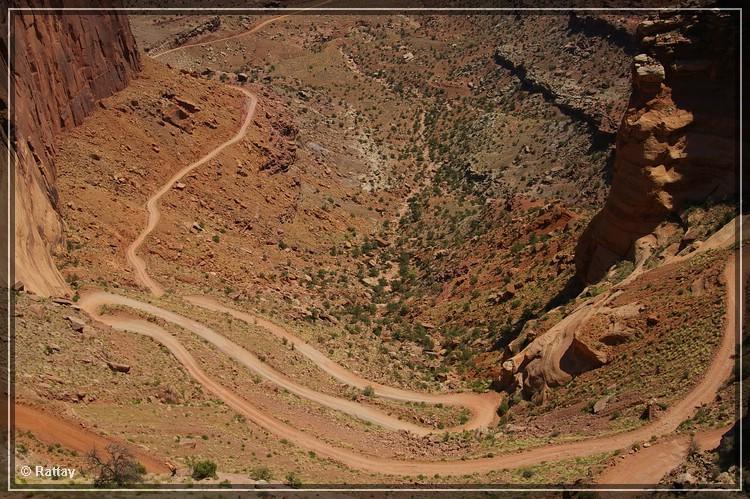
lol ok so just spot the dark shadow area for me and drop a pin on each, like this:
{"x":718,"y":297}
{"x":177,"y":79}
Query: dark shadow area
{"x":572,"y":288}
{"x":601,"y":28}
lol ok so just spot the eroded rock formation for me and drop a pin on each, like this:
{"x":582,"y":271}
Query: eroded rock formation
{"x":62,"y":64}
{"x":675,"y":148}
{"x":676,"y":144}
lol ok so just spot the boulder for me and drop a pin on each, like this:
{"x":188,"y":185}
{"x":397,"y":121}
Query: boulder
{"x":648,"y":77}
{"x":187,"y":105}
{"x":686,"y":478}
{"x":600,"y":405}
{"x":698,"y":286}
{"x":76,"y":324}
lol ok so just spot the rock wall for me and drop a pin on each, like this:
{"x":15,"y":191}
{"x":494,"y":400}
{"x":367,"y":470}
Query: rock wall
{"x":677,"y":142}
{"x":62,"y":64}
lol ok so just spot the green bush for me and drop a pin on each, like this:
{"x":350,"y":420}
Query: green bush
{"x":261,"y":473}
{"x":201,"y":470}
{"x":503,"y":407}
{"x":293,"y":480}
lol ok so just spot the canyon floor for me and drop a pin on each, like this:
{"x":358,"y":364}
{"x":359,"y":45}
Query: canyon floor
{"x":305,"y":247}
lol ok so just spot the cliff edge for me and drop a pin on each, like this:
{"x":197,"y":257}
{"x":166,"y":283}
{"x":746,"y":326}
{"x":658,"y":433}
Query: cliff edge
{"x":61,"y":65}
{"x":677,"y":141}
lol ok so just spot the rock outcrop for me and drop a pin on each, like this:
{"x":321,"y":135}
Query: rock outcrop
{"x":677,"y":142}
{"x":62,"y":64}
{"x":569,"y":100}
{"x":553,"y":358}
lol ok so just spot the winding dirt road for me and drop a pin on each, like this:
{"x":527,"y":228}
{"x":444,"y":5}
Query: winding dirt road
{"x":482,"y":406}
{"x":152,"y":206}
{"x":704,"y":392}
{"x":255,"y":28}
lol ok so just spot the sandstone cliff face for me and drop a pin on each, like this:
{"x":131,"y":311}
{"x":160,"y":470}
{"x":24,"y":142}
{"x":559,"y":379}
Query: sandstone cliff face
{"x":676,"y":144}
{"x":62,"y":64}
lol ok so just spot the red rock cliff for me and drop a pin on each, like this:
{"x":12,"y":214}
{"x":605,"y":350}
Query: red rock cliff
{"x":676,"y":144}
{"x":61,"y":65}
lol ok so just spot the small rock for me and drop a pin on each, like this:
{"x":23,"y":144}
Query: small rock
{"x":600,"y":405}
{"x":725,"y":478}
{"x":76,"y":324}
{"x":382,"y":242}
{"x":117,"y":367}
{"x":686,"y":478}
{"x":187,"y":105}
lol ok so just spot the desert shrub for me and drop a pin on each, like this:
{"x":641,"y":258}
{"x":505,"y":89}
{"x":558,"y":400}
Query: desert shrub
{"x":202,"y":469}
{"x":261,"y":473}
{"x":117,"y":469}
{"x":293,"y":480}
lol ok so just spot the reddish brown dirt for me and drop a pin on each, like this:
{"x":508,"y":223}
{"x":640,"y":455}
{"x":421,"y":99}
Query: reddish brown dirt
{"x":649,"y":465}
{"x":55,"y":430}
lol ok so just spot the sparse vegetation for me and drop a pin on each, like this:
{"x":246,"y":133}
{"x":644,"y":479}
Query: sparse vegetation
{"x":202,"y":468}
{"x":115,"y":468}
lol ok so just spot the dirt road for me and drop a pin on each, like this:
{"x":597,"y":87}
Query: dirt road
{"x":152,"y":206}
{"x":648,"y":466}
{"x":481,"y":405}
{"x":704,"y":392}
{"x":51,"y":429}
{"x":255,"y":28}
